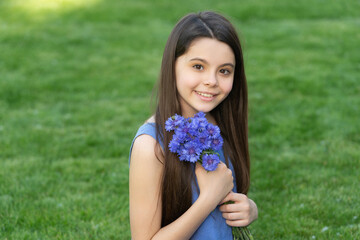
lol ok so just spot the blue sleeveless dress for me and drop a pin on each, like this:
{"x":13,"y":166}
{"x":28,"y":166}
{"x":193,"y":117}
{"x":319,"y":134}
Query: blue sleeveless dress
{"x":214,"y":227}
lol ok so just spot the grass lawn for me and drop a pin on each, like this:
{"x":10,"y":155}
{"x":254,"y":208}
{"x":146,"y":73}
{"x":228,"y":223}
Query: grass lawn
{"x":75,"y":82}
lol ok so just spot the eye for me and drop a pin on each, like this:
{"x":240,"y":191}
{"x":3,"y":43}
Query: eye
{"x":198,"y":67}
{"x":225,"y":71}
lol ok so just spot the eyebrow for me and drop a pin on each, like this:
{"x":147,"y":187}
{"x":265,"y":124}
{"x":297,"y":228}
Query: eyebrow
{"x":206,"y":62}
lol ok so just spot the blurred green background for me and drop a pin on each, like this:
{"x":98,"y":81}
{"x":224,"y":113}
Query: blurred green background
{"x":76,"y":78}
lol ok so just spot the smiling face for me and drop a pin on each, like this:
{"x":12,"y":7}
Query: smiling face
{"x":204,"y":75}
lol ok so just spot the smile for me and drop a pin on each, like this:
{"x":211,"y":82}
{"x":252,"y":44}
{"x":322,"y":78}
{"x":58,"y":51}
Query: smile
{"x":207,"y":95}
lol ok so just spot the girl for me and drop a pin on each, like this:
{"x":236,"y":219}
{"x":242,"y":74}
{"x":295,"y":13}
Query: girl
{"x":202,"y":70}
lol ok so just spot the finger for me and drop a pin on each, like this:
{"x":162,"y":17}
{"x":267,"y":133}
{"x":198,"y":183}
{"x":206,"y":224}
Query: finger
{"x":238,"y":223}
{"x":227,"y":198}
{"x":235,"y":197}
{"x":236,"y":207}
{"x":231,"y":207}
{"x":221,"y":165}
{"x":233,"y":216}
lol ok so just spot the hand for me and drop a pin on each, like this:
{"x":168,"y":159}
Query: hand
{"x":214,"y":185}
{"x":240,"y":213}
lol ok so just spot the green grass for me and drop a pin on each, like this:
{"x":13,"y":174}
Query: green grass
{"x":75,"y":84}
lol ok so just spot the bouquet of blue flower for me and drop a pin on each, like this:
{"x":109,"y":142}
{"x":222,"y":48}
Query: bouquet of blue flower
{"x":197,"y":140}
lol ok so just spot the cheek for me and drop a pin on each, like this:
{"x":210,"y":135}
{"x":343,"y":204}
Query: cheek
{"x":185,"y":81}
{"x":226,"y":87}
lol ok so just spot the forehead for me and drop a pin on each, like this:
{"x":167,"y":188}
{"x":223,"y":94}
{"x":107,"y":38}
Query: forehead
{"x":211,"y":50}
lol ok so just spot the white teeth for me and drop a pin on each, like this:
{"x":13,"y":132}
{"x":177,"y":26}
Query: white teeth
{"x":205,"y":94}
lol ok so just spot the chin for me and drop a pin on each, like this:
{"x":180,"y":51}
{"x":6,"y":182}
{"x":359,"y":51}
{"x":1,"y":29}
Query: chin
{"x":205,"y":110}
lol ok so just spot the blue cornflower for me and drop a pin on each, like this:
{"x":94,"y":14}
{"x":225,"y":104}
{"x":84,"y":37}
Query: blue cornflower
{"x":210,"y":161}
{"x":194,"y":127}
{"x":174,"y":144}
{"x":183,"y":131}
{"x":180,"y":136}
{"x":205,"y":141}
{"x":192,"y":150}
{"x":213,"y":131}
{"x":182,"y":153}
{"x":174,"y":122}
{"x":202,"y":121}
{"x":217,"y":143}
{"x":199,"y":115}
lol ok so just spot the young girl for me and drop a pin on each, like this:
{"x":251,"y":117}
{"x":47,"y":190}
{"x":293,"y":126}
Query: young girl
{"x":202,"y":70}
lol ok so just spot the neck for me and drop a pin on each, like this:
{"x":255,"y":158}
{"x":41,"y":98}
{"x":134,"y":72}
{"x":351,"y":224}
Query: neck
{"x":211,"y":119}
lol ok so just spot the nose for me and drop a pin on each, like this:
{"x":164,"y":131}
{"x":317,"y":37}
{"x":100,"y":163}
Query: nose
{"x":211,"y":80}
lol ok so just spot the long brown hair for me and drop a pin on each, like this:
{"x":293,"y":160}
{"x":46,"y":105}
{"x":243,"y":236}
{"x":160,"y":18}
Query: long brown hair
{"x":231,"y":115}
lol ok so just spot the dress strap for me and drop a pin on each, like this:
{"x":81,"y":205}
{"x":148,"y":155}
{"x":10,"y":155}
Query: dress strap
{"x":147,"y":128}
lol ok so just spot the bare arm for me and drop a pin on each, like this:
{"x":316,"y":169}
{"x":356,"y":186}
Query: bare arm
{"x":145,"y":196}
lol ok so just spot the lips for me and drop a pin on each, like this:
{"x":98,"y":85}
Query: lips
{"x":206,"y":94}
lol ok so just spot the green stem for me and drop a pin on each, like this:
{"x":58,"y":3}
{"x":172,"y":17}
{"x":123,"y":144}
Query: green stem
{"x":241,"y":233}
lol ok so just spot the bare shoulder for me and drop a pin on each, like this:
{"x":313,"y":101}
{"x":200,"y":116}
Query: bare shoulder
{"x":143,"y":153}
